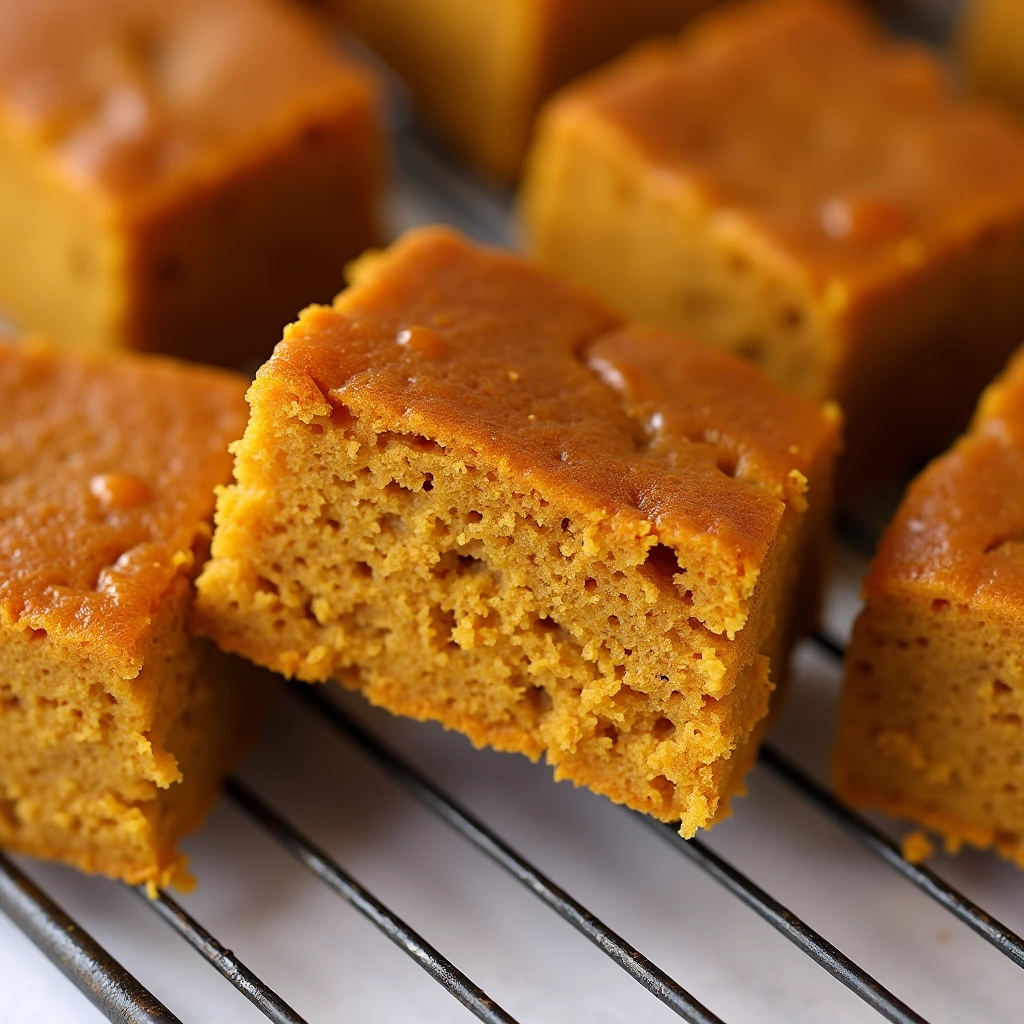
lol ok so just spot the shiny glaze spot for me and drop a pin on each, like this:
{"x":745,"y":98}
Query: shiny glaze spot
{"x":424,"y":341}
{"x":119,"y":491}
{"x":862,"y":219}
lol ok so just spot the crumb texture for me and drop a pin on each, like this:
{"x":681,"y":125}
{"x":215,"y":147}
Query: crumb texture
{"x":933,"y":702}
{"x":467,"y":492}
{"x":917,"y":847}
{"x":107,"y":773}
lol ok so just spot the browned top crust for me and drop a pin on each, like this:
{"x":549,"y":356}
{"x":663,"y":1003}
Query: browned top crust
{"x":959,"y":532}
{"x":107,"y":473}
{"x":847,"y":153}
{"x":127,"y":96}
{"x":637,"y":427}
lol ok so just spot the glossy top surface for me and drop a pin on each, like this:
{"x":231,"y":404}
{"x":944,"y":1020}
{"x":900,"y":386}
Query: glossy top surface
{"x":107,"y":472}
{"x":849,"y":153}
{"x":478,"y":350}
{"x":960,"y":529}
{"x":126,"y":95}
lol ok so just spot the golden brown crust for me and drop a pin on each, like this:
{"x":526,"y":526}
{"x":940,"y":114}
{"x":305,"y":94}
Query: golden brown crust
{"x":675,"y":388}
{"x":107,"y":470}
{"x":959,"y":532}
{"x":129,"y":99}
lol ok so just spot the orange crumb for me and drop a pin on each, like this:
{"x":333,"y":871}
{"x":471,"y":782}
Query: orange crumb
{"x":917,"y":847}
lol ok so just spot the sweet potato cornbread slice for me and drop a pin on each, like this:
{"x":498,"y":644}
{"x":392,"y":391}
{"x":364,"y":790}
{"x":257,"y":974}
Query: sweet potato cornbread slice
{"x":177,"y":175}
{"x":784,"y":182}
{"x":116,"y":725}
{"x":479,"y":71}
{"x":469,"y":492}
{"x":933,"y":701}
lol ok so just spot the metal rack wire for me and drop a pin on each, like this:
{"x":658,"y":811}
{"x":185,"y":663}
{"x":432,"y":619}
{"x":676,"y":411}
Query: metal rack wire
{"x":122,"y":998}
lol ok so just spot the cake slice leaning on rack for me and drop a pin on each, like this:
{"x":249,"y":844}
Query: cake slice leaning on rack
{"x":933,"y":700}
{"x":116,"y":724}
{"x":468,"y":491}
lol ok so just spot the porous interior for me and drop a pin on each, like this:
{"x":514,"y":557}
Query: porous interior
{"x":932,"y":713}
{"x":593,"y":213}
{"x":447,"y":588}
{"x":92,"y":764}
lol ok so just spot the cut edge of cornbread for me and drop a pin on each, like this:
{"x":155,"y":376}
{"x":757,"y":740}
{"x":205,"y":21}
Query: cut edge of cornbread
{"x":946,"y":752}
{"x":106,"y":771}
{"x":933,"y":700}
{"x":453,"y":630}
{"x":365,"y":542}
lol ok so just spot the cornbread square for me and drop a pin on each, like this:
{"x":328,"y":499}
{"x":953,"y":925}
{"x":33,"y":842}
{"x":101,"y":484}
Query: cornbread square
{"x":787,"y":184}
{"x":468,"y":491}
{"x":991,"y":44}
{"x":479,"y":71}
{"x":116,"y":725}
{"x":177,"y":175}
{"x":933,"y":702}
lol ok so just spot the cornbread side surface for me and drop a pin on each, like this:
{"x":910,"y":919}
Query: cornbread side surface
{"x":991,"y":45}
{"x":115,"y":724}
{"x":468,"y":491}
{"x":479,"y":71}
{"x":930,"y":727}
{"x":784,"y":182}
{"x":177,"y":175}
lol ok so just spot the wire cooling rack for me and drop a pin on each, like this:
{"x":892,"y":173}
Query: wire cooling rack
{"x":122,"y":997}
{"x":794,"y":839}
